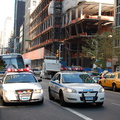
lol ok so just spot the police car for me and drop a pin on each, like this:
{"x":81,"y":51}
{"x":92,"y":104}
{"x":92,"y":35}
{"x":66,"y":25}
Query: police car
{"x":75,"y":87}
{"x":18,"y":86}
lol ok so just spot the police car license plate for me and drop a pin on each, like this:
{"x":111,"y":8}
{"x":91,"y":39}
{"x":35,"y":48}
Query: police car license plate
{"x":88,"y":98}
{"x":25,"y":98}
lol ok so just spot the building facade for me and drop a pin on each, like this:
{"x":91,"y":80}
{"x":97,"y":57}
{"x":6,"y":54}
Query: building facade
{"x":66,"y":24}
{"x":19,"y":13}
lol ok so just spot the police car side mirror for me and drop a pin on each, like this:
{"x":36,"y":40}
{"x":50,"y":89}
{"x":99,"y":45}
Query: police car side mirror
{"x":57,"y":81}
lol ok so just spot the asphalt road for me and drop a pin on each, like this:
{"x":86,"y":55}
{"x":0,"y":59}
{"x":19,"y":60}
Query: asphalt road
{"x":51,"y":110}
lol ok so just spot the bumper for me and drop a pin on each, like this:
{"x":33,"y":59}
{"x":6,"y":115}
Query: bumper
{"x":15,"y":98}
{"x":84,"y":97}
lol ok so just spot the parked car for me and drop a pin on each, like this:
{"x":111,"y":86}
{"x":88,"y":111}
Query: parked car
{"x":36,"y":71}
{"x":75,"y":87}
{"x":20,"y":87}
{"x":111,"y":80}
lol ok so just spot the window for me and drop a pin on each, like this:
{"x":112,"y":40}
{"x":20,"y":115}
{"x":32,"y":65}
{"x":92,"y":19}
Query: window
{"x":56,"y":77}
{"x":118,"y":2}
{"x":34,"y":3}
{"x":20,"y":78}
{"x":118,"y":75}
{"x":112,"y":76}
{"x":77,"y":78}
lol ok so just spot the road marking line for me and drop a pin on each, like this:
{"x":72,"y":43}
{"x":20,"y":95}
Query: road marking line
{"x":116,"y":104}
{"x":78,"y":114}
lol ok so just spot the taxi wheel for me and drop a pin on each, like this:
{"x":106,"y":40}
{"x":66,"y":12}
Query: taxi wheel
{"x":114,"y":88}
{"x":50,"y":95}
{"x":62,"y":102}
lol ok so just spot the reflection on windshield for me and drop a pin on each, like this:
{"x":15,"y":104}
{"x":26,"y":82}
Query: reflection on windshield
{"x":77,"y":78}
{"x":19,"y":78}
{"x":2,"y":64}
{"x":14,"y":63}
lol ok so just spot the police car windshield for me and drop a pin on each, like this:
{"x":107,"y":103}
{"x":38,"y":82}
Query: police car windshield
{"x":77,"y":78}
{"x":19,"y":78}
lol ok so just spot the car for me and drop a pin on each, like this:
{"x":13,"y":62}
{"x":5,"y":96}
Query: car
{"x":20,"y":87}
{"x":95,"y":75}
{"x":111,"y":80}
{"x":75,"y":87}
{"x":36,"y":71}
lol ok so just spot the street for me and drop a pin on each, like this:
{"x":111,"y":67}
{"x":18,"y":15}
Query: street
{"x":51,"y":110}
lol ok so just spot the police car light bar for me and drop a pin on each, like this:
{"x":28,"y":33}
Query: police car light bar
{"x":71,"y":69}
{"x":18,"y":70}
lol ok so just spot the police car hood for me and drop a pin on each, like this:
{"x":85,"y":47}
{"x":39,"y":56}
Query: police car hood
{"x":83,"y":86}
{"x":18,"y":86}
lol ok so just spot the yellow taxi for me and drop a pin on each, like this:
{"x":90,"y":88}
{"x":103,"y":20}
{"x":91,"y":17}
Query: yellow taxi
{"x":111,"y":80}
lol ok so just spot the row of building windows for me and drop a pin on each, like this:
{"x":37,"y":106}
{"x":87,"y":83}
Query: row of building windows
{"x":42,"y":38}
{"x":42,"y":27}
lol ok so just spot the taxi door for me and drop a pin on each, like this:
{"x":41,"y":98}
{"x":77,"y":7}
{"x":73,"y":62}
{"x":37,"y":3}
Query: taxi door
{"x":118,"y":80}
{"x":111,"y":79}
{"x":105,"y":81}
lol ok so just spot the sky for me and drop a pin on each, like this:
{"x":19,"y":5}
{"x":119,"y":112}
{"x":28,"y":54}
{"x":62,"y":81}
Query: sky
{"x":6,"y":10}
{"x":6,"y":21}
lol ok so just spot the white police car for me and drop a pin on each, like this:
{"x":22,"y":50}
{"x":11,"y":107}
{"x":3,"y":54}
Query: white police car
{"x":18,"y":87}
{"x":75,"y":87}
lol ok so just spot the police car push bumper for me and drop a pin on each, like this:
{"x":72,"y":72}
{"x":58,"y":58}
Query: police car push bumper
{"x":84,"y":97}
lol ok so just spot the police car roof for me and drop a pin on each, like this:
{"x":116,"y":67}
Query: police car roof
{"x":9,"y":73}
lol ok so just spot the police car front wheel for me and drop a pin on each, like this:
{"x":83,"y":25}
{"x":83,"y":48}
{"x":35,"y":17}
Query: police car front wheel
{"x":62,"y":102}
{"x":50,"y":94}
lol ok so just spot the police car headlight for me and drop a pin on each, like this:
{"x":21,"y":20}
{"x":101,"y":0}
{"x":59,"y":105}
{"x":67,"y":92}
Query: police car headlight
{"x":7,"y":92}
{"x":101,"y":90}
{"x":38,"y":91}
{"x":70,"y":90}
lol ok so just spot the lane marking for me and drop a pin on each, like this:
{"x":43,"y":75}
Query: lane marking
{"x":78,"y":114}
{"x":116,"y":104}
{"x":74,"y":112}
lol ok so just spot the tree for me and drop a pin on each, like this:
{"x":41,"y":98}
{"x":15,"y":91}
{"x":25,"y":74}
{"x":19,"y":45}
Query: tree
{"x":102,"y":47}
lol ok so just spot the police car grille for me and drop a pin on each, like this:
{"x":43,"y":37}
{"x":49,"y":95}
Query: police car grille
{"x":24,"y":93}
{"x":85,"y":94}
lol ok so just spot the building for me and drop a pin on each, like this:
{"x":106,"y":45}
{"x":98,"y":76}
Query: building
{"x":30,"y":5}
{"x":116,"y":62}
{"x":18,"y":21}
{"x":65,"y":24}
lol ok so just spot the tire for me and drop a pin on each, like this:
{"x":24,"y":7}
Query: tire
{"x":114,"y":88}
{"x":3,"y":102}
{"x":50,"y":95}
{"x":99,"y":104}
{"x":42,"y":101}
{"x":62,"y":102}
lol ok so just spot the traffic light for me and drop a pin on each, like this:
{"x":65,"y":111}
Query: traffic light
{"x":57,"y":53}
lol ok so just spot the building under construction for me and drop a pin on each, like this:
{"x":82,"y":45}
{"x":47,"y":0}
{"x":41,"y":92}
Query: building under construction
{"x":64,"y":25}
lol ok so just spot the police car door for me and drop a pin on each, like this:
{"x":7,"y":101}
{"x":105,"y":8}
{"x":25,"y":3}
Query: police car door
{"x":56,"y":85}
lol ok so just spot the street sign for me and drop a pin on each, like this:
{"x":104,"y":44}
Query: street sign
{"x":61,"y":58}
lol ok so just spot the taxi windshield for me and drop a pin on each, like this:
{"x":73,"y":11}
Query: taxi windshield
{"x":19,"y":78}
{"x":77,"y":78}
